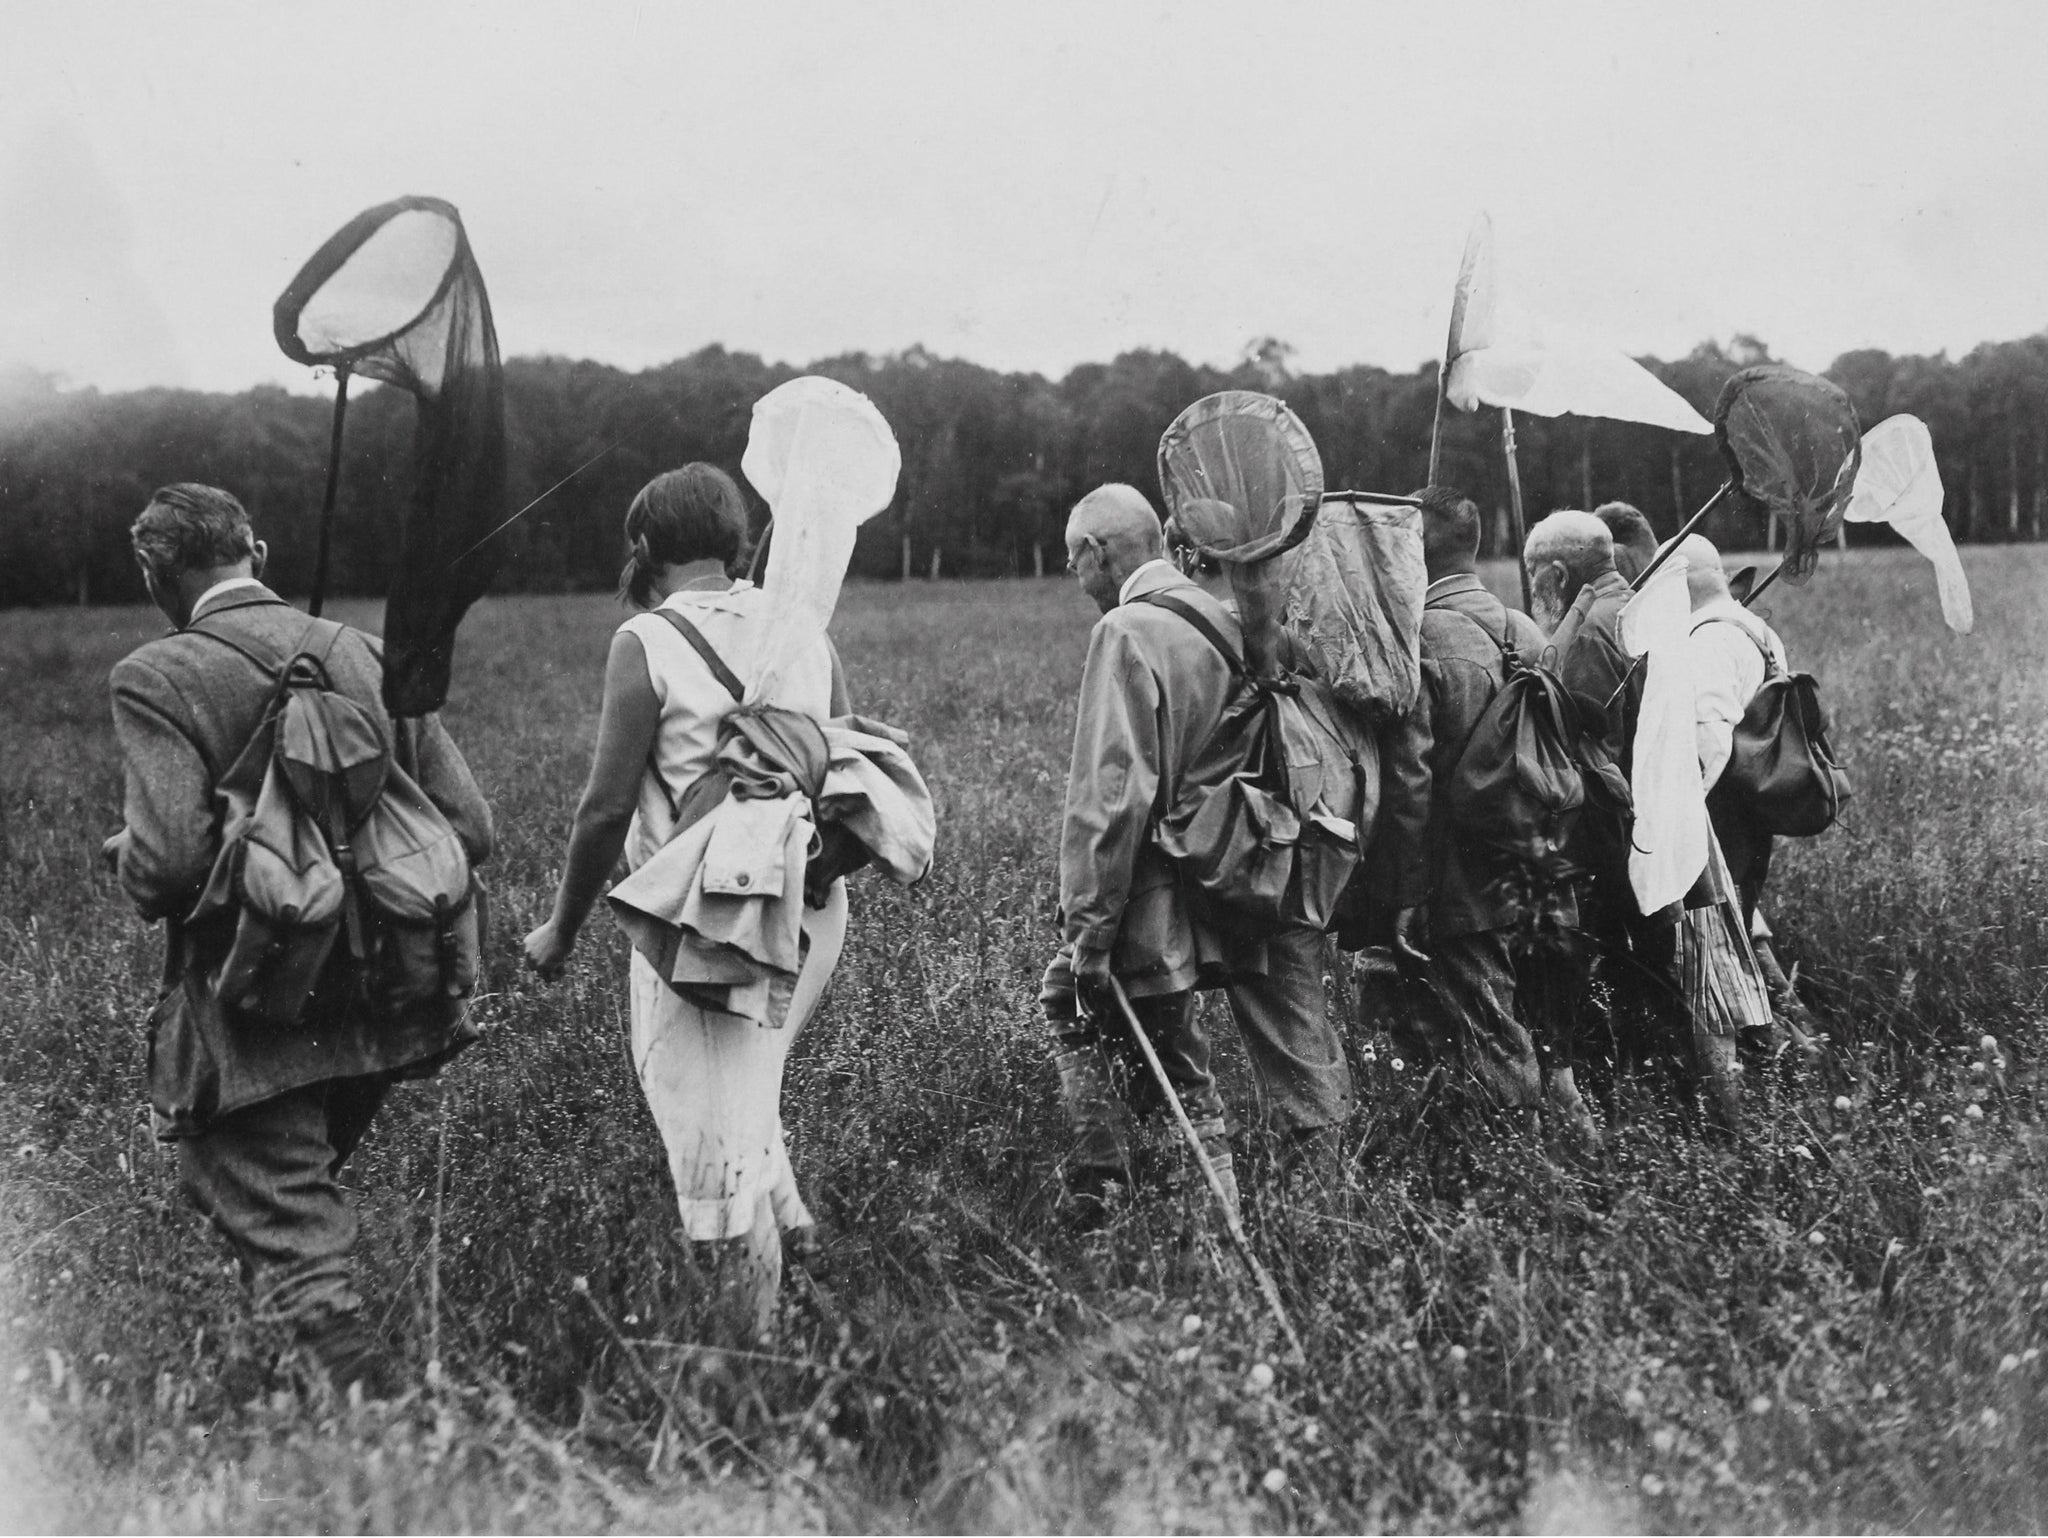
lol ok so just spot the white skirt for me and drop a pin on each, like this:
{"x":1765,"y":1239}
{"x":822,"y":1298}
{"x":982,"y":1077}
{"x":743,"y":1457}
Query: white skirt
{"x":714,"y":1084}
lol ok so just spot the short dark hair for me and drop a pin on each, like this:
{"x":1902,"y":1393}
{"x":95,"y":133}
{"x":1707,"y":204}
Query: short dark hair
{"x":1631,"y":530}
{"x":190,"y":527}
{"x":692,"y":514}
{"x":1450,"y":525}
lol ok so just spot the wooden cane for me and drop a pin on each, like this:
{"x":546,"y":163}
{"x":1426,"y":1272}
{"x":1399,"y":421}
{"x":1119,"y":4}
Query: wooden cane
{"x":1187,"y":1130}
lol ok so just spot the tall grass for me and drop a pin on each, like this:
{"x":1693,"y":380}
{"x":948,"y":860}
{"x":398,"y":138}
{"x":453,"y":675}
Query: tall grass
{"x":1835,"y":1323}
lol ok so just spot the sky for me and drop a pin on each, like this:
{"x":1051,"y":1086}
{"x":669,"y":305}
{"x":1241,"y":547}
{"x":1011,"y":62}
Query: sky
{"x":1029,"y":186}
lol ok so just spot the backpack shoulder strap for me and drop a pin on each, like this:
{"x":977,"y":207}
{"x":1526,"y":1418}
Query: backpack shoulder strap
{"x":704,"y":649}
{"x":1771,"y":668}
{"x":1201,"y":622}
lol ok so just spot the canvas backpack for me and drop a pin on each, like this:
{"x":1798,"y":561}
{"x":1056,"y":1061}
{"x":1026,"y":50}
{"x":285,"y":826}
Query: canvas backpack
{"x":335,"y":866}
{"x":1781,"y":772}
{"x":1527,"y":768}
{"x":1273,"y":810}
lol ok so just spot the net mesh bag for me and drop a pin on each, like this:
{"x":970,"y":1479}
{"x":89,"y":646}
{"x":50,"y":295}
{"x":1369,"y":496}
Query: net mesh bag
{"x":1242,"y":481}
{"x":395,"y":296}
{"x":1354,"y":593}
{"x":1792,"y":446}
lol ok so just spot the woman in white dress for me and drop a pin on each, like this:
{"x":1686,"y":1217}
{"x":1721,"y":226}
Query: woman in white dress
{"x":713,"y":1081}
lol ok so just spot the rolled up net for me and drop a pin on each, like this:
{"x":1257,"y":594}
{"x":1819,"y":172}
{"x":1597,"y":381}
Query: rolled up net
{"x":395,"y":296}
{"x":1792,"y":446}
{"x":1355,"y":588}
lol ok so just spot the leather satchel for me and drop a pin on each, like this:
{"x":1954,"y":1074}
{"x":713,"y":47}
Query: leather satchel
{"x":1781,"y":770}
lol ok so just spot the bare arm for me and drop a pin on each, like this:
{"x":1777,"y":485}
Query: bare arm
{"x":625,"y":733}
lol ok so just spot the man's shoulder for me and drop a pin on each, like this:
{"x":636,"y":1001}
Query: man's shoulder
{"x":242,"y":647}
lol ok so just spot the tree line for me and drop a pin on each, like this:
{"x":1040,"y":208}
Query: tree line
{"x":991,"y":461}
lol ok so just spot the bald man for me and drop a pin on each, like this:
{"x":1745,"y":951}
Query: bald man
{"x":1151,"y":691}
{"x":1635,"y":542}
{"x":1579,"y":595}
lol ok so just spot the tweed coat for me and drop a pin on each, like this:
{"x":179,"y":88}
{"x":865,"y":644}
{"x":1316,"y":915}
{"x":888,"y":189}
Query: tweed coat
{"x":185,"y":705}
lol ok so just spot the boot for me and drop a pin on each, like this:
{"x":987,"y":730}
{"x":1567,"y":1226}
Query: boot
{"x":1101,"y":1157}
{"x":1720,"y":1072}
{"x":1568,"y":1109}
{"x":344,"y":1352}
{"x":1217,"y":1146}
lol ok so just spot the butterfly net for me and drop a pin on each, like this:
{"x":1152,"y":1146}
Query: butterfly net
{"x":825,"y":461}
{"x":1790,"y":439}
{"x":1242,"y":481}
{"x":395,"y":296}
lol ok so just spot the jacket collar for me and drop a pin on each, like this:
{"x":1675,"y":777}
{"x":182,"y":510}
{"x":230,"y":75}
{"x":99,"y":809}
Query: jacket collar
{"x":1152,"y":577}
{"x":238,"y":597}
{"x":728,"y":599}
{"x":1448,"y":587}
{"x":1608,"y":583}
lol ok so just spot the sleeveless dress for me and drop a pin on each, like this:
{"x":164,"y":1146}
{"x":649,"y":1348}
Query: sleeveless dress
{"x":713,"y":1081}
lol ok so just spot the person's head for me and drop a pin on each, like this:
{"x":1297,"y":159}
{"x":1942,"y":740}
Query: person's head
{"x":1111,"y":533}
{"x":1704,"y":579}
{"x":681,"y":517}
{"x":1635,"y":542}
{"x":1563,"y":553}
{"x":187,"y":539}
{"x":1450,"y":531}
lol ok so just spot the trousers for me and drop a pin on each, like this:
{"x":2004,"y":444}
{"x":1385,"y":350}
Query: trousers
{"x":265,"y":1176}
{"x":1297,"y":1056}
{"x":1466,"y":1014}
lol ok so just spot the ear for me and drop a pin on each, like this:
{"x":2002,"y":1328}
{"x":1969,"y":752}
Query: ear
{"x":259,"y":557}
{"x":1740,"y":584}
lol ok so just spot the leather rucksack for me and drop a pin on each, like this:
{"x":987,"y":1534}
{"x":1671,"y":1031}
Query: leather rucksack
{"x":1528,"y":769}
{"x":1781,"y":772}
{"x":335,"y":866}
{"x":1274,"y":809}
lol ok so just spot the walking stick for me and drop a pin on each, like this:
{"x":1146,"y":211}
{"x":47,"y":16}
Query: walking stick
{"x":1187,"y":1130}
{"x":333,"y":486}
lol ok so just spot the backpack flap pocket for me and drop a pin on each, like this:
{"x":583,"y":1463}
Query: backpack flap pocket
{"x":416,"y":879}
{"x":289,"y":895}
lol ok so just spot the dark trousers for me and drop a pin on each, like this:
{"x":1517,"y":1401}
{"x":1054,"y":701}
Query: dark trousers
{"x":265,"y":1176}
{"x":1636,"y":956}
{"x":1296,"y":1052}
{"x":1465,"y":1014}
{"x":1103,"y":1075}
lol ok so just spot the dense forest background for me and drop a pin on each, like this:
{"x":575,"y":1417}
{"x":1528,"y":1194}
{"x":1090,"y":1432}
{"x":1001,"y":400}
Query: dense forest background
{"x":991,"y":461}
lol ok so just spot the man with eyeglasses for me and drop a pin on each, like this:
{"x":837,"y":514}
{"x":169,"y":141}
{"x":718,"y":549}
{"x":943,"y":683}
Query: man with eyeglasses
{"x":1151,"y":692}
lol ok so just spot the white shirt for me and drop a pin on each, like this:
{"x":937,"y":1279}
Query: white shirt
{"x":227,"y":585}
{"x":1727,"y":669}
{"x":694,"y":702}
{"x":1123,"y":594}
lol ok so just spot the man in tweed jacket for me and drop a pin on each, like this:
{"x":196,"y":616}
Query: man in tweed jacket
{"x":263,"y":1116}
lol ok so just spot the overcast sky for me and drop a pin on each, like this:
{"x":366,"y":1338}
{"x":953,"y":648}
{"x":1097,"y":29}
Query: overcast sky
{"x":1030,"y":185}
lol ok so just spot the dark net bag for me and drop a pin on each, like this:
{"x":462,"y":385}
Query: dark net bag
{"x":395,"y":295}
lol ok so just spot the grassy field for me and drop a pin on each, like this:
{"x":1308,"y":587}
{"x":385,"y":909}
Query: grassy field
{"x":1836,"y":1324}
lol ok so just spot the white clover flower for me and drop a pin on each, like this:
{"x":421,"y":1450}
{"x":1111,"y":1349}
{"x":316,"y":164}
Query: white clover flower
{"x":1974,"y":1111}
{"x":1191,"y":1324}
{"x":1844,"y":1103}
{"x":1760,"y":1405}
{"x":1275,"y":1481}
{"x":1260,"y":1377}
